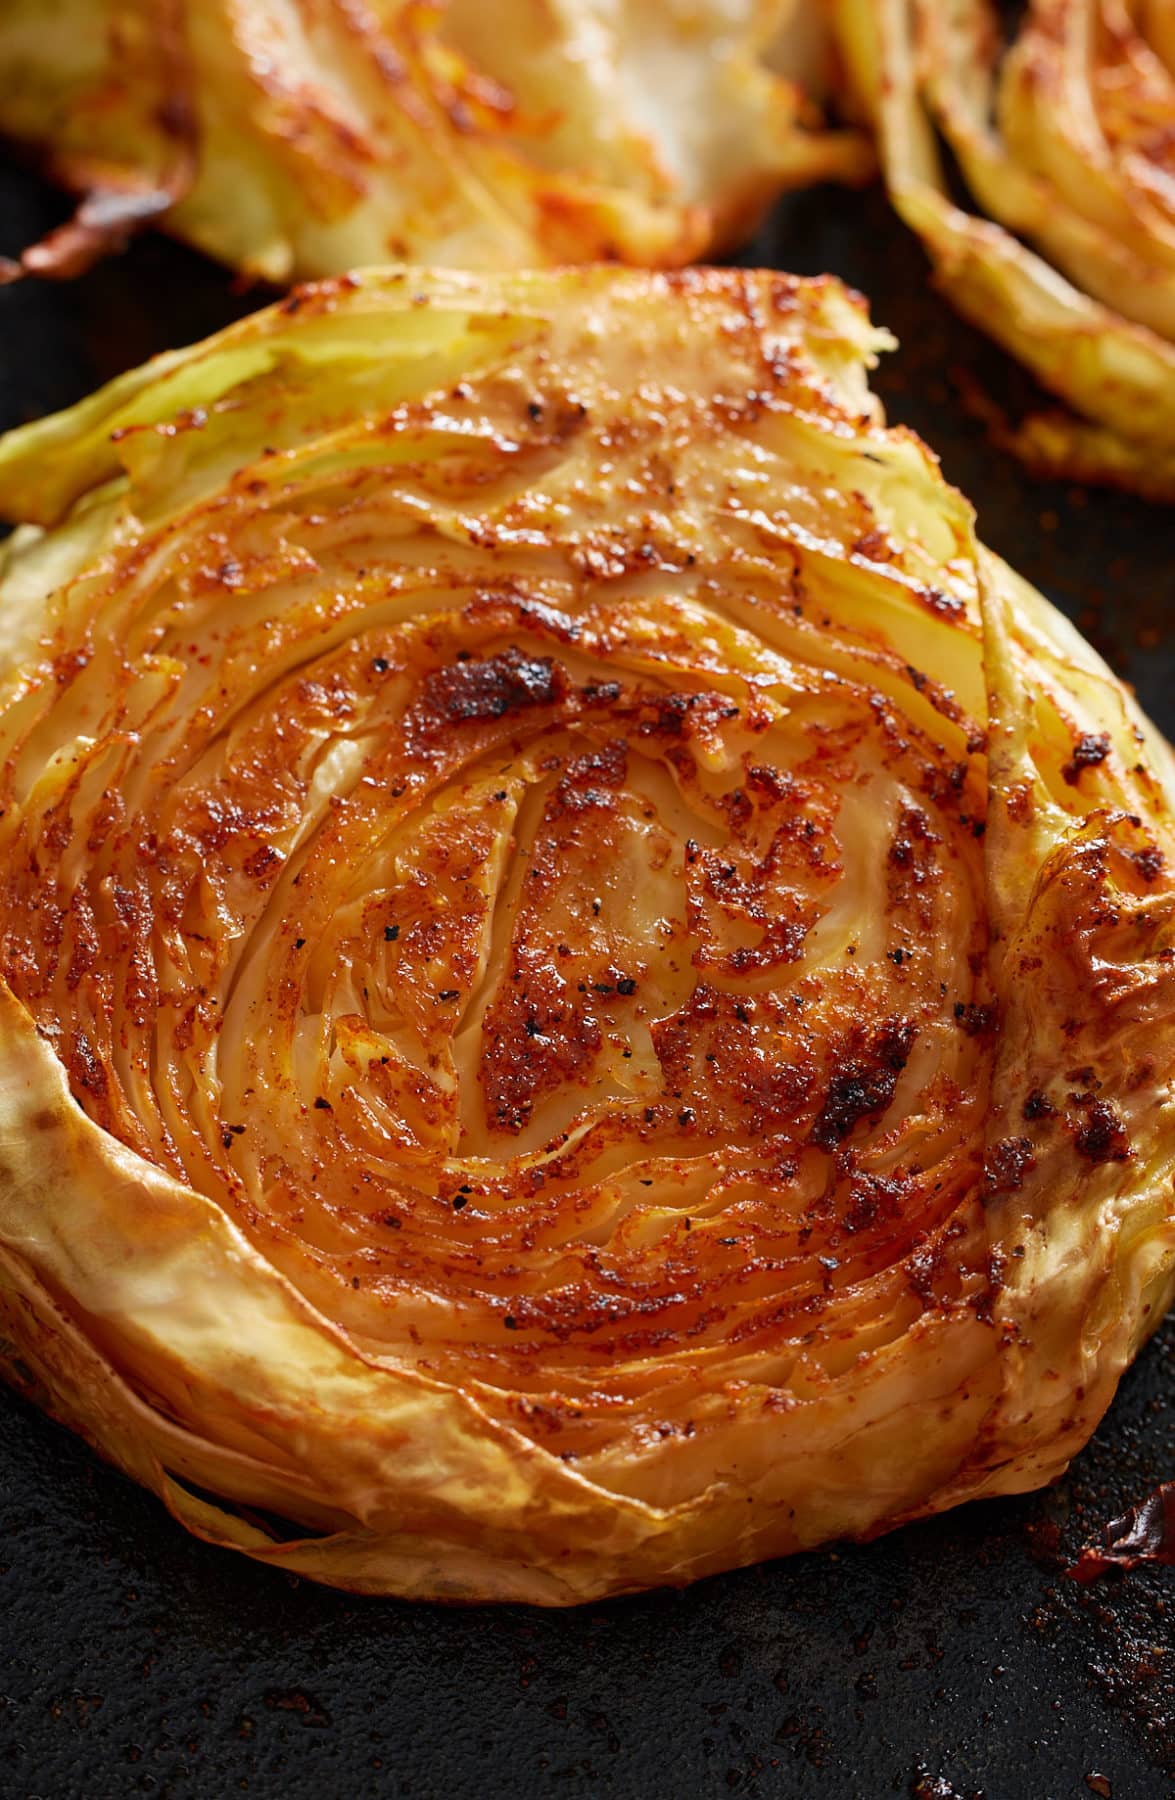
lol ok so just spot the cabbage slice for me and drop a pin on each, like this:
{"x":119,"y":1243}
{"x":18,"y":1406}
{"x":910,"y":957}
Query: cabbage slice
{"x":289,"y":138}
{"x":1061,"y":143}
{"x":586,"y":981}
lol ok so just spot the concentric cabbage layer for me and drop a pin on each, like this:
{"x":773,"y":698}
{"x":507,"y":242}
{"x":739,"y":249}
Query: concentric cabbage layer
{"x":1068,"y":143}
{"x":304,"y":137}
{"x":587,"y":983}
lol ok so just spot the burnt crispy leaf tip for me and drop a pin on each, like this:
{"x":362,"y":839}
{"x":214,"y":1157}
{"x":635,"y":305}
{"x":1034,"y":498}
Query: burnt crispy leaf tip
{"x":104,"y":222}
{"x":1143,"y":1534}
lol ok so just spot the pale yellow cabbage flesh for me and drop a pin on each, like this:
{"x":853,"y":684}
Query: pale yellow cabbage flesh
{"x":586,"y":982}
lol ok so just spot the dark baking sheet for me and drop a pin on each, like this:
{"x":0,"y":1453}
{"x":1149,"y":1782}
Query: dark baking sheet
{"x":951,"y":1660}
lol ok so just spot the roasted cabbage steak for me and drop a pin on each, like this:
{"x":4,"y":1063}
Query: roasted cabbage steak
{"x":587,"y":983}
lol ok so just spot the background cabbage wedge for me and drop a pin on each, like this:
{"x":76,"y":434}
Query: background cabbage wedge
{"x":1065,"y":144}
{"x":288,"y":138}
{"x":586,"y":980}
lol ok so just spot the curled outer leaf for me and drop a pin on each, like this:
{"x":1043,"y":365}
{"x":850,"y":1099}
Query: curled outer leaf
{"x":294,"y":137}
{"x":587,"y":983}
{"x":1065,"y":143}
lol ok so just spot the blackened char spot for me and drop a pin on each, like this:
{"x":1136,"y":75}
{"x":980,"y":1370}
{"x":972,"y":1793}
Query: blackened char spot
{"x":491,"y":687}
{"x":863,"y":1086}
{"x":875,"y":1199}
{"x":1148,"y":862}
{"x":976,"y":1021}
{"x":1102,"y":1136}
{"x":601,"y":693}
{"x":1090,"y":749}
{"x":1006,"y":1164}
{"x":680,"y":714}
